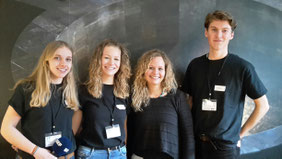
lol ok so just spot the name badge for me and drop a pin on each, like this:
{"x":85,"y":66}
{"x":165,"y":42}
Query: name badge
{"x":209,"y":105}
{"x":219,"y":88}
{"x":120,"y":106}
{"x":113,"y":131}
{"x":51,"y":138}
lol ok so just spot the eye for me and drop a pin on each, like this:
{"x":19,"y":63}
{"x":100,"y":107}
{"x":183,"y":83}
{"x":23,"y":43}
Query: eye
{"x":161,"y":69}
{"x":151,"y":68}
{"x":69,"y":59}
{"x":57,"y":58}
{"x":106,"y":57}
{"x":116,"y":59}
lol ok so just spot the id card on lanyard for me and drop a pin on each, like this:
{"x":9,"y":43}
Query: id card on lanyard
{"x":51,"y":137}
{"x":113,"y":130}
{"x":211,"y":104}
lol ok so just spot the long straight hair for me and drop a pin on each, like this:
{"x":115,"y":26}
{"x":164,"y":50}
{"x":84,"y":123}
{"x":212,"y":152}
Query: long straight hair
{"x":121,"y":78}
{"x":40,"y":79}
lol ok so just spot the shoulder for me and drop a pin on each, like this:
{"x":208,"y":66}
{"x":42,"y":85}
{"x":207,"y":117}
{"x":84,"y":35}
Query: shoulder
{"x":25,"y":87}
{"x":178,"y":95}
{"x":82,"y":89}
{"x":199,"y":59}
{"x":235,"y":59}
{"x":197,"y":63}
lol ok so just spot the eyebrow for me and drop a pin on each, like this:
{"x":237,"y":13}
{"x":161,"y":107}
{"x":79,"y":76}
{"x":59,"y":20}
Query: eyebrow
{"x":218,"y":28}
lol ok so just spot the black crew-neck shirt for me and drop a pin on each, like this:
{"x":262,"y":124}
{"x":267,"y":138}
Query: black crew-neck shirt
{"x":238,"y":77}
{"x":97,"y":116}
{"x":37,"y":121}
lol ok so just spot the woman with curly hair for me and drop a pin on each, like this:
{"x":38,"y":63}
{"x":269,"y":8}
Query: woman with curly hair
{"x":160,"y":125}
{"x":44,"y":102}
{"x":104,"y":103}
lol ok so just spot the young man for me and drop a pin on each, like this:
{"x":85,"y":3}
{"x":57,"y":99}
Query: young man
{"x":217,"y":84}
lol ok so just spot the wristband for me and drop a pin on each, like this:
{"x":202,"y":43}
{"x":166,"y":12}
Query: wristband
{"x":34,"y":150}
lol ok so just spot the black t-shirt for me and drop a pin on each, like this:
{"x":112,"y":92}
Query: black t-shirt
{"x":237,"y":79}
{"x":165,"y":125}
{"x":37,"y":121}
{"x":97,"y":116}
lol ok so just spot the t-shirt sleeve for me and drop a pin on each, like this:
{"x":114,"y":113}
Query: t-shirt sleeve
{"x":17,"y":101}
{"x":81,"y":95}
{"x":187,"y":143}
{"x":186,"y":86}
{"x":254,"y":86}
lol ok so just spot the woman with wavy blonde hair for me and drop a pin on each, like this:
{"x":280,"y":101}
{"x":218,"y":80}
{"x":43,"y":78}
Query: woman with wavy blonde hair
{"x":160,"y":125}
{"x":44,"y":102}
{"x":104,"y":103}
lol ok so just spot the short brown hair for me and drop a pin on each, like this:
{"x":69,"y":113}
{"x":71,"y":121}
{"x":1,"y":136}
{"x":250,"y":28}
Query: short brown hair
{"x":220,"y":15}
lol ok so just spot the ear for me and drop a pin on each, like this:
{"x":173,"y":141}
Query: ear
{"x":232,"y":35}
{"x":206,"y":33}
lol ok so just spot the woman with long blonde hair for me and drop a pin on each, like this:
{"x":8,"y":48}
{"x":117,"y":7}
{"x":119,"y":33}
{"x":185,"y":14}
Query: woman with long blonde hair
{"x":104,"y":103}
{"x":160,"y":125}
{"x":44,"y":102}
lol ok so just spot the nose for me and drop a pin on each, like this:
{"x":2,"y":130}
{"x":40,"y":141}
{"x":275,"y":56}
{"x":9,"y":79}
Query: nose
{"x":63,"y":62}
{"x":219,"y":34}
{"x":155,"y":71}
{"x":111,"y":61}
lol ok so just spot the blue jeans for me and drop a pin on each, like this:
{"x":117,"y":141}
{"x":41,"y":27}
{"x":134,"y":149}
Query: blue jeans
{"x":84,"y":152}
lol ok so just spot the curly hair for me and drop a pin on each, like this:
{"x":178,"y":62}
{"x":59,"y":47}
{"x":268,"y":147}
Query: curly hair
{"x":140,"y":92}
{"x":95,"y":84}
{"x":40,"y":79}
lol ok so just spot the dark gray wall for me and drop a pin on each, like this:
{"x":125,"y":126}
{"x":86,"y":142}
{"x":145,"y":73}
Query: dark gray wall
{"x":176,"y":27}
{"x":14,"y":16}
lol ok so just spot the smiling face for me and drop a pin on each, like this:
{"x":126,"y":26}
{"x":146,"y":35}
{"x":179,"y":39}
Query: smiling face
{"x":219,"y":34}
{"x":155,"y":72}
{"x":60,"y":64}
{"x":110,"y":61}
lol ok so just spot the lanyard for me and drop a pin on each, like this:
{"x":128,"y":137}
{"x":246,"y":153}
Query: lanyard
{"x":54,"y":115}
{"x":218,"y":74}
{"x":111,"y":112}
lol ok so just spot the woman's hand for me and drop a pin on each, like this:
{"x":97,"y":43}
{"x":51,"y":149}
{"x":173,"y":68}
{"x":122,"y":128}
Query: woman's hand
{"x":42,"y":153}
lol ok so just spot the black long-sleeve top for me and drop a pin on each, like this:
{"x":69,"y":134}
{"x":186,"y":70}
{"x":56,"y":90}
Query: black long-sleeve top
{"x":165,"y":125}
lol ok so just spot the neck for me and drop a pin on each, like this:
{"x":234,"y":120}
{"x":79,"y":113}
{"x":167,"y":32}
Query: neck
{"x":107,"y":79}
{"x":217,"y":54}
{"x":155,"y":91}
{"x":57,"y":81}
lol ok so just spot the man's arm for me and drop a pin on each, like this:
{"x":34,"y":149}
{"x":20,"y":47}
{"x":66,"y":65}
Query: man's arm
{"x":261,"y":107}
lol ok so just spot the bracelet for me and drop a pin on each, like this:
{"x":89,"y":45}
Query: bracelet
{"x":34,"y":150}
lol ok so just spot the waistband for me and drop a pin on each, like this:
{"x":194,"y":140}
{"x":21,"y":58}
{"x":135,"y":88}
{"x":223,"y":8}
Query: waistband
{"x":68,"y":156}
{"x":106,"y":149}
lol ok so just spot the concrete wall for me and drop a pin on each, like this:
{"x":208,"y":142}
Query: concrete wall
{"x":176,"y":27}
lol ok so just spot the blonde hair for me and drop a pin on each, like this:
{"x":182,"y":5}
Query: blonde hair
{"x":40,"y":80}
{"x":140,"y":95}
{"x":95,"y":84}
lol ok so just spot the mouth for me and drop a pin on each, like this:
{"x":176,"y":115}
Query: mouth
{"x":155,"y":77}
{"x":218,"y":41}
{"x":110,"y":68}
{"x":62,"y":70}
